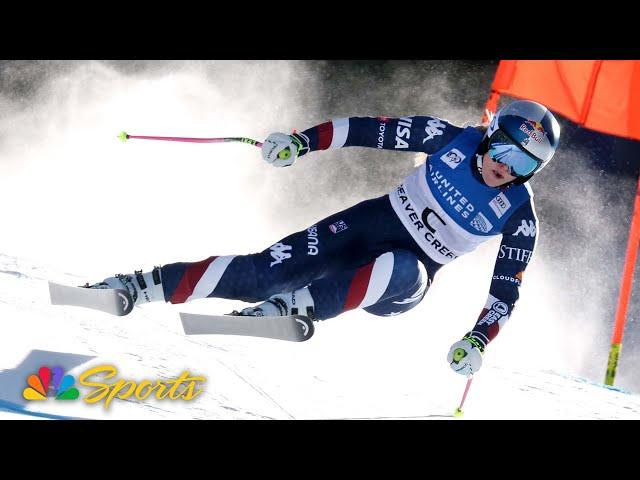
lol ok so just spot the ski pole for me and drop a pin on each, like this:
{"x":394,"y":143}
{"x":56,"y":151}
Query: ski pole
{"x":458,"y":412}
{"x":124,"y":136}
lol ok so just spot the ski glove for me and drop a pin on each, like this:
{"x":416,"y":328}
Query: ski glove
{"x":465,"y":356}
{"x":281,"y":150}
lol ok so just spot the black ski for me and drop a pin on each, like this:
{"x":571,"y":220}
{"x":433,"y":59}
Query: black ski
{"x":113,"y":301}
{"x":293,"y":328}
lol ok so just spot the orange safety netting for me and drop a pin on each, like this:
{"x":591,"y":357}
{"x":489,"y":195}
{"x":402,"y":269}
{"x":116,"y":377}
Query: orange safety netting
{"x":602,"y":95}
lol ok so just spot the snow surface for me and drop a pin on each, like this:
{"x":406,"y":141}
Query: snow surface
{"x":355,"y":367}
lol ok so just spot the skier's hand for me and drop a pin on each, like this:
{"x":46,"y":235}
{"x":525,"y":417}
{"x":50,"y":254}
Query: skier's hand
{"x":281,"y":150}
{"x":465,"y":356}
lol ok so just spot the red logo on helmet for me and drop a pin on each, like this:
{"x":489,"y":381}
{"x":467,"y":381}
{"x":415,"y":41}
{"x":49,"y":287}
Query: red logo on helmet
{"x":535,"y":131}
{"x":536,"y":125}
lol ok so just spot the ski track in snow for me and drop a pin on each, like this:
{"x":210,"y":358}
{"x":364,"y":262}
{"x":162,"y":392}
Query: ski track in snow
{"x":341,"y":373}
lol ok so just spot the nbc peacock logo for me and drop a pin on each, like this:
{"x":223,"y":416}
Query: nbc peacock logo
{"x":50,"y":382}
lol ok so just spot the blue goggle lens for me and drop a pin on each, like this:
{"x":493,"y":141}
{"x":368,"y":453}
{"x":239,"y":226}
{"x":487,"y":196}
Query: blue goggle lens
{"x":503,"y":150}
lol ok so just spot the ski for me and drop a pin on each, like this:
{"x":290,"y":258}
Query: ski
{"x":293,"y":328}
{"x":113,"y":301}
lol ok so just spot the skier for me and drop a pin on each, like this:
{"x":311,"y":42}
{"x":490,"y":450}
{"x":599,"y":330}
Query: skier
{"x":382,"y":254}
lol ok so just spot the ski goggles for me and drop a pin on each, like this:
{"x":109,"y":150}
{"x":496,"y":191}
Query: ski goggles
{"x":503,"y":150}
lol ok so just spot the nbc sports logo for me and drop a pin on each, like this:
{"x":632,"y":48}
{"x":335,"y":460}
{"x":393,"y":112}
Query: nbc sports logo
{"x":50,"y":383}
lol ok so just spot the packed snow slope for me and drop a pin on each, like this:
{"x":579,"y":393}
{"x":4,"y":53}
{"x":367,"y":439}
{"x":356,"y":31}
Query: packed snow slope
{"x":357,"y":366}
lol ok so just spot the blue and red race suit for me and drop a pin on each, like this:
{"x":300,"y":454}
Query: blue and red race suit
{"x":382,"y":254}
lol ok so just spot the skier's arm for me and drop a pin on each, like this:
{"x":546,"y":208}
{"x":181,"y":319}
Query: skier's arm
{"x":519,"y":238}
{"x":516,"y":250}
{"x":411,"y":134}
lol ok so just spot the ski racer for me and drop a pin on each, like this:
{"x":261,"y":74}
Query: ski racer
{"x":381,"y":255}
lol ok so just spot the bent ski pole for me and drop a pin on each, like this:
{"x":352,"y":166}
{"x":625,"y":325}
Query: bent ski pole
{"x":458,"y":412}
{"x":124,"y":136}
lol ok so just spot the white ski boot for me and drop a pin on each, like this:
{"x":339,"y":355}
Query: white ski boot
{"x":143,"y":287}
{"x":298,"y":302}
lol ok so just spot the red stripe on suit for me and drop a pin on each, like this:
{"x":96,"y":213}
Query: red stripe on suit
{"x":493,"y":330}
{"x":189,"y":280}
{"x":358,"y":287}
{"x":325,"y":135}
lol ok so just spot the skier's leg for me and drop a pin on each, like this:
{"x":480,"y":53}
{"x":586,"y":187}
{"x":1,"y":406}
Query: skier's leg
{"x":393,"y":283}
{"x":285,"y":266}
{"x":343,"y":241}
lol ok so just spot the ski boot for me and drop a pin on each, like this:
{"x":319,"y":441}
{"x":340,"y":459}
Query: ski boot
{"x":298,"y":302}
{"x":143,"y":287}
